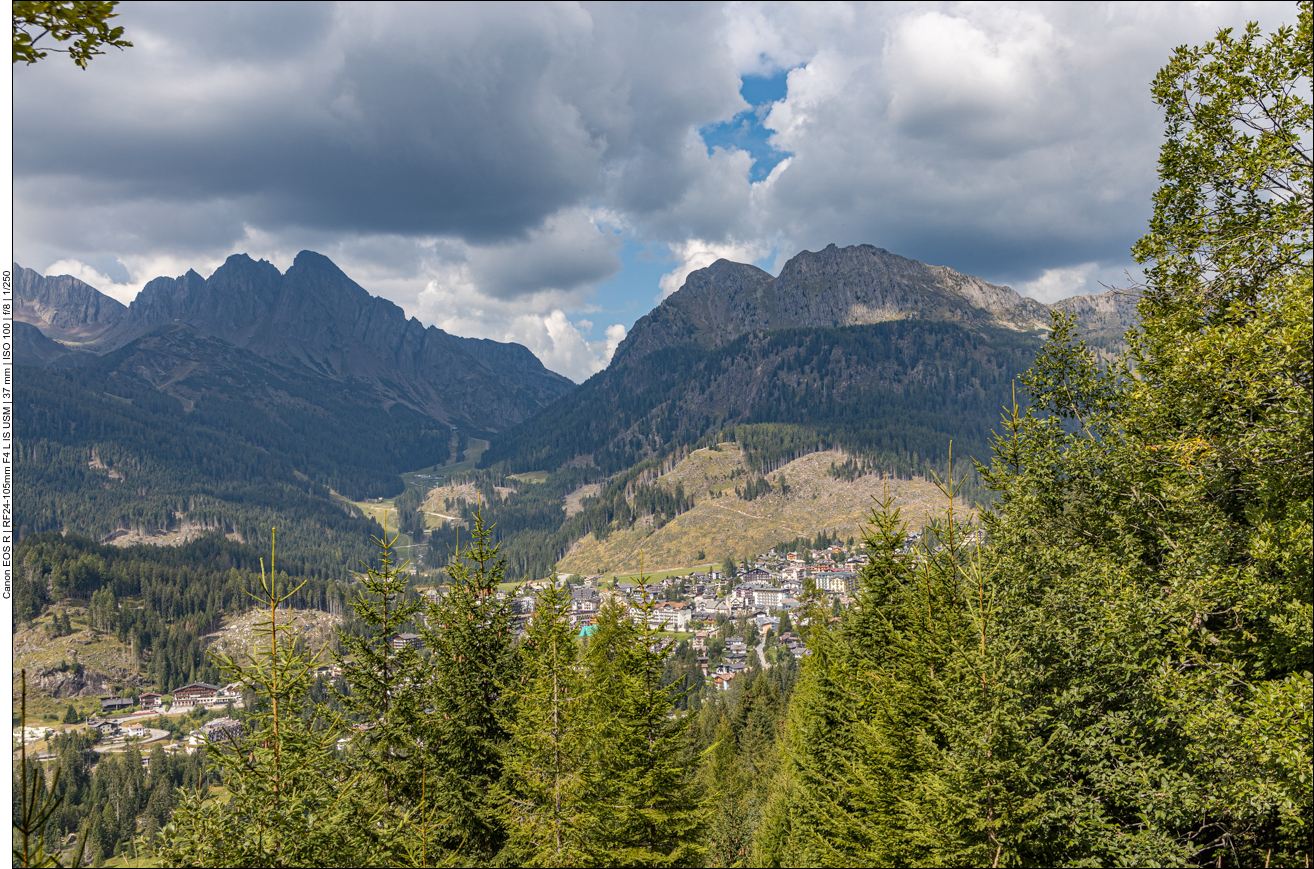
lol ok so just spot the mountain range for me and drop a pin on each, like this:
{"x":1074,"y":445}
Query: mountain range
{"x":313,"y":318}
{"x":890,"y":351}
{"x":252,"y":396}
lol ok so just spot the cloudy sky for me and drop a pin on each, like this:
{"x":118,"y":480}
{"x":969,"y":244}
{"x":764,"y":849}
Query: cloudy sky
{"x":546,"y":173}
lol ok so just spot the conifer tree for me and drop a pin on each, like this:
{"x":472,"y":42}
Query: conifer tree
{"x":652,"y":813}
{"x":386,"y":684}
{"x":36,"y":805}
{"x":548,"y":791}
{"x":902,"y":747}
{"x":290,"y":800}
{"x":469,"y":632}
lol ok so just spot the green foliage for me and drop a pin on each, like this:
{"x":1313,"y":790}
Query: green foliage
{"x":900,"y":719}
{"x":756,"y":486}
{"x":384,"y":685}
{"x":473,"y":667}
{"x":87,"y":20}
{"x":98,"y":451}
{"x":736,"y":734}
{"x":1124,"y":675}
{"x":596,"y":773}
{"x":181,"y":594}
{"x":648,"y":810}
{"x":36,"y":805}
{"x":547,"y":791}
{"x":291,"y":801}
{"x":897,"y":390}
{"x":409,"y":518}
{"x":897,"y":411}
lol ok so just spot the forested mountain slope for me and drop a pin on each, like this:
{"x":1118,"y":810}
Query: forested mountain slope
{"x":873,"y":350}
{"x":903,"y":388}
{"x":237,"y":402}
{"x":180,"y":428}
{"x":856,"y":348}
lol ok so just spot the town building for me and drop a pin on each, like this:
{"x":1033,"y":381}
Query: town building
{"x":584,"y":601}
{"x":113,"y":705}
{"x":407,"y":641}
{"x":196,"y":694}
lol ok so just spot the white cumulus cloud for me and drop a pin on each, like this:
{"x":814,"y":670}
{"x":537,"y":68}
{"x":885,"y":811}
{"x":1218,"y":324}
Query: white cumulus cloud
{"x":695,"y":254}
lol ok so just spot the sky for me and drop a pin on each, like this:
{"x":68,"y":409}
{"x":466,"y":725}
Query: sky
{"x":548,"y":173}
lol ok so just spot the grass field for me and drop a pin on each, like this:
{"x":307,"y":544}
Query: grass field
{"x":657,"y":575}
{"x":721,"y":524}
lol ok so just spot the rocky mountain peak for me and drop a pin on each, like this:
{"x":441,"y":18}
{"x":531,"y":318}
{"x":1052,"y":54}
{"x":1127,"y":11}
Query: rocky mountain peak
{"x":315,"y":317}
{"x":835,"y":286}
{"x":64,"y":308}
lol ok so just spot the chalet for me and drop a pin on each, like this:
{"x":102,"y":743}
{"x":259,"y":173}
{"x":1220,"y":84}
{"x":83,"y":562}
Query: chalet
{"x":115,"y":704}
{"x":196,"y":694}
{"x":105,"y":728}
{"x":407,"y":641}
{"x":757,"y":574}
{"x":136,"y":731}
{"x":150,"y":700}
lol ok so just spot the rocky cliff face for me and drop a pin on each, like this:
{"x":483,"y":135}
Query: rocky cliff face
{"x":848,"y":286}
{"x":317,"y":319}
{"x":1103,"y":317}
{"x":63,"y":307}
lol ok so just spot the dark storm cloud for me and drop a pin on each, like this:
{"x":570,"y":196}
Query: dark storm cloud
{"x":483,"y":164}
{"x":473,"y":121}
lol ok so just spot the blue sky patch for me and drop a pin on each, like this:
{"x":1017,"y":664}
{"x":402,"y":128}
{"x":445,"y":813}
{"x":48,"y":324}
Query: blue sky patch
{"x":630,"y":293}
{"x":745,"y":131}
